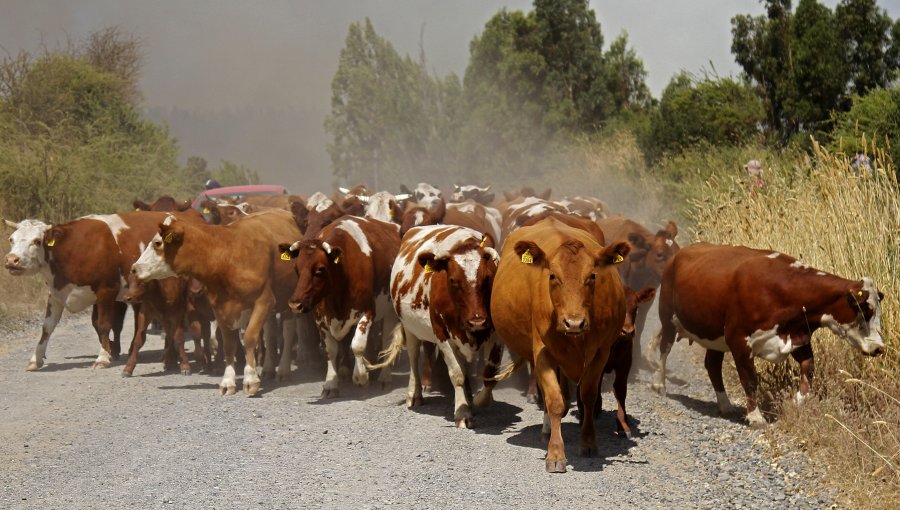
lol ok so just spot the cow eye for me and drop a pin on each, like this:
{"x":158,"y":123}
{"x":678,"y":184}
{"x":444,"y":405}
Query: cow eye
{"x":320,"y":271}
{"x":157,"y":243}
{"x":36,"y":242}
{"x":592,"y":277}
{"x":552,"y":277}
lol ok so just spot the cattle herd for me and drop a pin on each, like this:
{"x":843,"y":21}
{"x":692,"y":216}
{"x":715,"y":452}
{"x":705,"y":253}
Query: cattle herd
{"x":559,"y":284}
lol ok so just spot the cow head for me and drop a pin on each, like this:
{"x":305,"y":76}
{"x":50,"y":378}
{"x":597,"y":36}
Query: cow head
{"x":316,"y":264}
{"x":210,"y":211}
{"x":136,"y":288}
{"x":422,"y":215}
{"x":652,"y":252}
{"x":424,"y":195}
{"x":570,"y":274}
{"x":156,"y":261}
{"x":322,"y":212}
{"x":858,"y":318}
{"x":26,"y":247}
{"x":633,"y":300}
{"x":229,"y":213}
{"x":481,"y":195}
{"x":460,"y":296}
{"x":384,"y":206}
{"x":300,"y":212}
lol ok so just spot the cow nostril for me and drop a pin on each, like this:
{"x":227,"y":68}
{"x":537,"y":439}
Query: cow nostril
{"x":878,"y":351}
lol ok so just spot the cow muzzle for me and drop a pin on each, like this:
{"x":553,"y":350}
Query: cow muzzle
{"x":573,"y":325}
{"x":477,"y":323}
{"x":300,"y":307}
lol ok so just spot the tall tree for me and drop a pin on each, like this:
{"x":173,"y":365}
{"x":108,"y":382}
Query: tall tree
{"x":626,"y":76}
{"x":866,"y":29}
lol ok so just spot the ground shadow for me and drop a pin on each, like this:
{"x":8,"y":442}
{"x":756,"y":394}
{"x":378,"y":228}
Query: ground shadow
{"x":706,"y":408}
{"x":608,"y":445}
{"x":192,"y":386}
{"x":57,"y":367}
{"x":494,"y":419}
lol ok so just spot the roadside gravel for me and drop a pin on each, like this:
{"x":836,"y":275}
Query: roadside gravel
{"x":77,"y":438}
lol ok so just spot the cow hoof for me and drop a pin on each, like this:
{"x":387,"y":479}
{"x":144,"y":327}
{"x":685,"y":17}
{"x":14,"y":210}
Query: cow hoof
{"x":126,"y":373}
{"x":465,"y":423}
{"x":361,"y":379}
{"x":589,"y":451}
{"x":33,"y":366}
{"x":531,"y":398}
{"x":660,"y":389}
{"x":268,"y":375}
{"x":330,"y":393}
{"x":227,"y":390}
{"x":555,"y":466}
{"x":101,"y":364}
{"x":186,"y":371}
{"x":343,"y":373}
{"x":415,"y":400}
{"x":115,"y":356}
{"x":282,"y":377}
{"x":427,"y":389}
{"x":484,"y":398}
{"x":251,"y":389}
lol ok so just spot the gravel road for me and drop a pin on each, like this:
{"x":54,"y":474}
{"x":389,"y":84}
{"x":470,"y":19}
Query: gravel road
{"x":77,"y":438}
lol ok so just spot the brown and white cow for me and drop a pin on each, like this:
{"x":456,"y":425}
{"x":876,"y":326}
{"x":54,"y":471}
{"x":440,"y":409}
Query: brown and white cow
{"x":558,"y":302}
{"x":520,"y":210}
{"x":759,"y":303}
{"x":164,"y":203}
{"x":421,"y":215}
{"x":463,"y":192}
{"x":84,"y":263}
{"x":588,"y":207}
{"x":344,"y":276}
{"x":424,"y":195}
{"x":241,"y":267}
{"x":441,"y":290}
{"x":476,"y":216}
{"x":644,"y":267}
{"x":382,"y":205}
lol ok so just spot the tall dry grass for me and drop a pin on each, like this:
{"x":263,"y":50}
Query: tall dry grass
{"x":821,"y":212}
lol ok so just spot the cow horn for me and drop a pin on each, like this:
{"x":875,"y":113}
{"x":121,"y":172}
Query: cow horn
{"x":456,"y":187}
{"x":295,"y":246}
{"x":344,"y":191}
{"x":326,"y":247}
{"x":10,"y":224}
{"x":402,"y":196}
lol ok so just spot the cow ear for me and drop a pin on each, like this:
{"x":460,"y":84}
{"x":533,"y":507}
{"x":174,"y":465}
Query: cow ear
{"x":488,"y":197}
{"x":615,"y":253}
{"x":335,"y":255}
{"x":288,"y":251}
{"x":670,"y":231}
{"x":396,"y":211}
{"x":880,"y":296}
{"x":140,"y":205}
{"x":53,"y":236}
{"x":530,"y":253}
{"x":432,"y":263}
{"x":510,"y":195}
{"x":646,"y":295}
{"x":546,"y":194}
{"x":404,"y":189}
{"x":491,"y":254}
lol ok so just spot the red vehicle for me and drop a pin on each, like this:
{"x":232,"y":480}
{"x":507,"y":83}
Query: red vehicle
{"x":238,"y":192}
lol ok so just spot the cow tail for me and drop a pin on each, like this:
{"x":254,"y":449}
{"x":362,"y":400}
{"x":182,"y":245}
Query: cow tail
{"x":504,"y":372}
{"x":389,"y":355}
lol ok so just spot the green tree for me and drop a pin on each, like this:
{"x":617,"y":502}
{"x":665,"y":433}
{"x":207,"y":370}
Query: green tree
{"x":820,"y":71}
{"x":877,"y":115}
{"x":696,"y":111}
{"x":626,"y":76}
{"x":233,"y":174}
{"x":866,"y":30}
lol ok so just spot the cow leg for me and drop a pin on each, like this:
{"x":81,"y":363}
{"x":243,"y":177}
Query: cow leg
{"x":640,"y":319}
{"x":229,"y":344}
{"x":545,"y":371}
{"x":427,"y":362}
{"x":358,"y":346}
{"x":103,"y":318}
{"x":531,"y":394}
{"x":51,"y":319}
{"x":140,"y":336}
{"x":804,"y":356}
{"x":588,"y":391}
{"x":743,"y":361}
{"x":271,"y":340}
{"x":118,"y":322}
{"x":495,"y":353}
{"x":664,"y":338}
{"x":178,"y":332}
{"x":288,"y":334}
{"x":330,"y":388}
{"x":414,"y":388}
{"x":200,"y":331}
{"x":258,"y":317}
{"x":309,"y":339}
{"x":713,"y":364}
{"x":462,"y":415}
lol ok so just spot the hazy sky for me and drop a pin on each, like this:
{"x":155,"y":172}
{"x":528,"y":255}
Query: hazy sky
{"x":274,"y":60}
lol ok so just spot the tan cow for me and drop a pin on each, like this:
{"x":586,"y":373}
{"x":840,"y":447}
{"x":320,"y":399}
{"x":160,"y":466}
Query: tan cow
{"x":240,"y":266}
{"x":558,"y":302}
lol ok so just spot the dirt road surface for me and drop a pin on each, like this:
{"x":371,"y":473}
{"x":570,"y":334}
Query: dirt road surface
{"x":78,"y":438}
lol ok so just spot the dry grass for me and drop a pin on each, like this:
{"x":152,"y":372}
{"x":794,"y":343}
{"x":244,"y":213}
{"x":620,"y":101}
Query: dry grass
{"x":819,"y":211}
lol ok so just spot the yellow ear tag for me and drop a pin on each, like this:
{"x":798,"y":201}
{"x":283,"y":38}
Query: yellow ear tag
{"x":169,"y":238}
{"x":428,"y":268}
{"x":527,"y":258}
{"x":859,"y":293}
{"x":285,"y":255}
{"x":137,"y":210}
{"x":618,"y":258}
{"x":391,"y":213}
{"x":206,"y":210}
{"x":483,"y":239}
{"x":337,"y":260}
{"x":51,"y":243}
